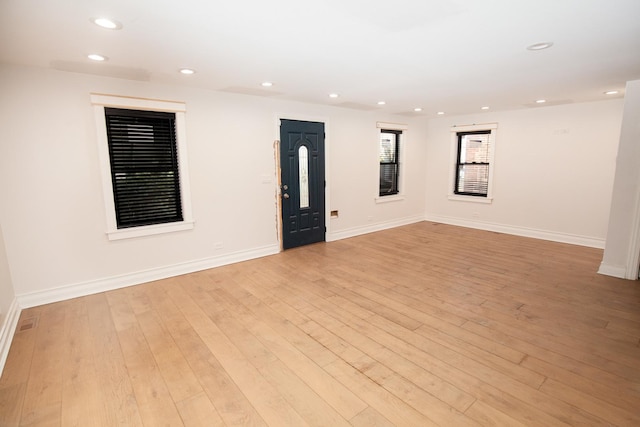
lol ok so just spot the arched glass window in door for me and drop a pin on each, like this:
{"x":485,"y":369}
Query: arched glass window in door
{"x":303,"y":168}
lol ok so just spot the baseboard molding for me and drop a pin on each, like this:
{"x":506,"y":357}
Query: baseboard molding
{"x":7,"y":331}
{"x":613,"y":271}
{"x":521,"y":231}
{"x":110,"y":283}
{"x":371,"y":228}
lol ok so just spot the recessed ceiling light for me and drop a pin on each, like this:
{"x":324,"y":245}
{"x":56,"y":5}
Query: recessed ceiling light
{"x":417,"y":109}
{"x":540,"y":46}
{"x":440,"y":113}
{"x":333,"y":95}
{"x":107,"y":23}
{"x":611,"y":92}
{"x":267,"y":84}
{"x":541,"y":101}
{"x":381,"y":102}
{"x":187,"y":71}
{"x":484,"y":108}
{"x":96,"y":57}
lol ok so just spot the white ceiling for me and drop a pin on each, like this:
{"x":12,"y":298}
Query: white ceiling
{"x":442,"y":55}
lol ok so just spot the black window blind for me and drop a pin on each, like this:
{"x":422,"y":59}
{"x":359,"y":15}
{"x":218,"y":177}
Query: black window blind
{"x":144,"y":167}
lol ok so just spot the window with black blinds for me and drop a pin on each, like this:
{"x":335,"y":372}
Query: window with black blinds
{"x":389,"y":164}
{"x":144,"y":167}
{"x":472,"y":173}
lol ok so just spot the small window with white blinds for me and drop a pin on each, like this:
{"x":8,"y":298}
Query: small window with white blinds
{"x":472,"y":177}
{"x":472,"y":162}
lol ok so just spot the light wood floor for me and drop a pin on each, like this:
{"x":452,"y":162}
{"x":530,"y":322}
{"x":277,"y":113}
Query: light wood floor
{"x":421,"y":325}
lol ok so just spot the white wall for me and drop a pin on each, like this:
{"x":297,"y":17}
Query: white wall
{"x":7,"y":294}
{"x":621,"y":251}
{"x":9,"y":311}
{"x":554,"y":168}
{"x":51,"y":196}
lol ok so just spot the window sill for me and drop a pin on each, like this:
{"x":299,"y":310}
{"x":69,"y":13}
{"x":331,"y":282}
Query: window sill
{"x":473,"y":199}
{"x":387,"y":199}
{"x":149,"y":230}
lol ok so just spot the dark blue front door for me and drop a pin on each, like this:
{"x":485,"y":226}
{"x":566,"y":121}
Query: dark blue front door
{"x":302,"y":180}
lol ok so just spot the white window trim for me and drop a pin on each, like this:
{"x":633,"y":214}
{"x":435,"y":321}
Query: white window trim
{"x":99,"y":102}
{"x":453,"y":155}
{"x":403,"y":143}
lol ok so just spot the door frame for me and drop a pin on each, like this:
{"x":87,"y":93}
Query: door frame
{"x":327,"y":177}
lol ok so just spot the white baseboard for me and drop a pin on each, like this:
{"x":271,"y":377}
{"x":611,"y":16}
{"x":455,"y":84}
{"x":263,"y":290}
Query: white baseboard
{"x":521,"y":231}
{"x":7,"y":330}
{"x":370,"y":228}
{"x":110,"y":283}
{"x":613,"y":270}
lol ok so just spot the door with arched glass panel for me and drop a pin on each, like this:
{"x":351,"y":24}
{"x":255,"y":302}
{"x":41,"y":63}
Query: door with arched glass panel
{"x":302,"y":182}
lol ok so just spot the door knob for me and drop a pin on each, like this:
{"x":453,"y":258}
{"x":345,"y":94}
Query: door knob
{"x":285,"y":187}
{"x":285,"y":195}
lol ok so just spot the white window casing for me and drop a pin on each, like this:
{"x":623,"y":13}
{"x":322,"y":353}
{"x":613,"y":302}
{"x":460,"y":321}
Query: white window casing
{"x":99,"y":102}
{"x":453,"y":155}
{"x":403,"y":144}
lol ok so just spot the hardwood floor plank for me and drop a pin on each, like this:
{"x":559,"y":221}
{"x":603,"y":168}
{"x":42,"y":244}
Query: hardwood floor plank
{"x":11,"y":402}
{"x":554,"y":358}
{"x":487,"y":415}
{"x":627,"y":400}
{"x":340,"y":398}
{"x":591,"y":404}
{"x":439,"y":358}
{"x":513,"y":370}
{"x":312,"y":407}
{"x":229,"y":401}
{"x":18,"y":365}
{"x":384,"y":402}
{"x":425,"y":324}
{"x":254,"y":294}
{"x":13,"y":383}
{"x":118,"y":399}
{"x":570,"y":348}
{"x":267,"y":401}
{"x":198,"y":411}
{"x":43,"y":397}
{"x":154,"y":401}
{"x":370,"y":418}
{"x":429,"y":313}
{"x":368,"y":351}
{"x":180,"y":380}
{"x":463,"y":347}
{"x":81,"y":394}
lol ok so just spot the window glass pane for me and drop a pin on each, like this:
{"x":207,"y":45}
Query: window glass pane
{"x":474,"y":148}
{"x":387,"y":147}
{"x":388,"y":179}
{"x":303,"y":167}
{"x":473,"y":179}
